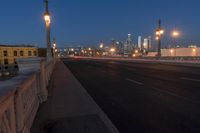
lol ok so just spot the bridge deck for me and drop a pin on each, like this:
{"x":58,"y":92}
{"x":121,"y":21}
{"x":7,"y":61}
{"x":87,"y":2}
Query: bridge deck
{"x":69,"y":108}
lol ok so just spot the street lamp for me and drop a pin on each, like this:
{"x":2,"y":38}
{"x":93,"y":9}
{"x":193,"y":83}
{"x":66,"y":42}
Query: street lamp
{"x":54,"y":47}
{"x":112,"y":51}
{"x":171,"y":52}
{"x":47,"y":19}
{"x":159,"y":34}
{"x":175,"y":35}
{"x":194,"y":52}
{"x":101,"y":45}
{"x":101,"y":48}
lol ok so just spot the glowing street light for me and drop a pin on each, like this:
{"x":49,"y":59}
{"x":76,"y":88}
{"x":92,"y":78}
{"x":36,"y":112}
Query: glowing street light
{"x":157,"y":38}
{"x":171,"y":51}
{"x":175,"y":34}
{"x":101,"y":46}
{"x":194,"y":50}
{"x":47,"y":20}
{"x":159,"y":33}
{"x":54,"y":43}
{"x":112,"y":50}
{"x":54,"y":47}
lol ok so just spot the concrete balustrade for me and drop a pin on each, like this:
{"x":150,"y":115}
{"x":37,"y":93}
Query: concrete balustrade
{"x":20,"y":97}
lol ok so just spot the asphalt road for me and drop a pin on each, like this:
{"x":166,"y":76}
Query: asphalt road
{"x":143,"y":97}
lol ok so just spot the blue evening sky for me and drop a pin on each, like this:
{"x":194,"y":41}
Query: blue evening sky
{"x":89,"y":21}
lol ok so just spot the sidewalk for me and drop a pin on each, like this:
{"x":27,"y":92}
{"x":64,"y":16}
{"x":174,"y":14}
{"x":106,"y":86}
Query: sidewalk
{"x":69,"y":108}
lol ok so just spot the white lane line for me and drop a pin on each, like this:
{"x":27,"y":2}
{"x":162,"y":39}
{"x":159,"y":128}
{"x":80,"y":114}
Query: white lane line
{"x":190,"y":79}
{"x":134,"y":81}
{"x":175,"y":95}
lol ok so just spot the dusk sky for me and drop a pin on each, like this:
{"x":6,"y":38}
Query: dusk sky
{"x":89,"y":21}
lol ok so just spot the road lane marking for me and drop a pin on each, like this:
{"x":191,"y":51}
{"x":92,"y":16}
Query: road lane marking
{"x":190,"y":79}
{"x":134,"y":81}
{"x":175,"y":95}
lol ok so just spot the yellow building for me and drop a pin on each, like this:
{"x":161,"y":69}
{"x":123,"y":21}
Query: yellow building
{"x":8,"y":54}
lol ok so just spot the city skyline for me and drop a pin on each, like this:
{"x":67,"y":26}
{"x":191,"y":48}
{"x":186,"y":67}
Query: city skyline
{"x":90,"y":22}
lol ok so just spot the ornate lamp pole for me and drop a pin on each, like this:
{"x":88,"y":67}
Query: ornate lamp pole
{"x":175,"y":35}
{"x":54,"y":48}
{"x":47,"y":19}
{"x":159,"y":33}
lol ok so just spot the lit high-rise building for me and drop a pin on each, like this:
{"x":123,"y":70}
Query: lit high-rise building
{"x":128,"y":46}
{"x":140,"y":42}
{"x":147,"y":43}
{"x":150,"y":42}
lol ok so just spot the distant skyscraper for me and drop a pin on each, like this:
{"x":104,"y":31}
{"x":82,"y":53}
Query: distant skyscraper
{"x":129,"y":40}
{"x":140,"y":42}
{"x":147,"y":43}
{"x":150,"y":42}
{"x":113,"y":43}
{"x":128,"y":46}
{"x":120,"y":48}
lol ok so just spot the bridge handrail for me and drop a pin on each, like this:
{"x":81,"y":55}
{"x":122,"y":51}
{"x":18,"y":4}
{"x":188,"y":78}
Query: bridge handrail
{"x":19,"y":104}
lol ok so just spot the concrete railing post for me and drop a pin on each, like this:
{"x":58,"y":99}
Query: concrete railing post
{"x":19,"y":112}
{"x":7,"y":114}
{"x":43,"y":86}
{"x":18,"y":108}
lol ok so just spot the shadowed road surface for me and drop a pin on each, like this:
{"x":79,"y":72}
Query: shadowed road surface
{"x":143,"y":97}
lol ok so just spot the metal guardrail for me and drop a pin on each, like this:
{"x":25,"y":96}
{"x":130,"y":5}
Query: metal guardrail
{"x":19,"y":102}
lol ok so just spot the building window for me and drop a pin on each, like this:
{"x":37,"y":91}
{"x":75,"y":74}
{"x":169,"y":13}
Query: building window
{"x":29,"y":53}
{"x":35,"y":53}
{"x":5,"y":61}
{"x":15,"y":62}
{"x":5,"y":53}
{"x":15,"y":53}
{"x":21,"y":53}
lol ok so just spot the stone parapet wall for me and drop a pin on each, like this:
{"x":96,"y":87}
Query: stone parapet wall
{"x":20,"y":97}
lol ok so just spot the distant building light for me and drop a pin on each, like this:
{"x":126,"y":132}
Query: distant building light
{"x":192,"y":46}
{"x":112,"y":50}
{"x":194,"y":50}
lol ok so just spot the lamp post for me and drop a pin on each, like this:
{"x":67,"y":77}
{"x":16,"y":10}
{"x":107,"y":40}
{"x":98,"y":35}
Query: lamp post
{"x":194,"y":50}
{"x":175,"y":35}
{"x":47,"y":19}
{"x":54,"y":48}
{"x":101,"y":47}
{"x":159,"y":33}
